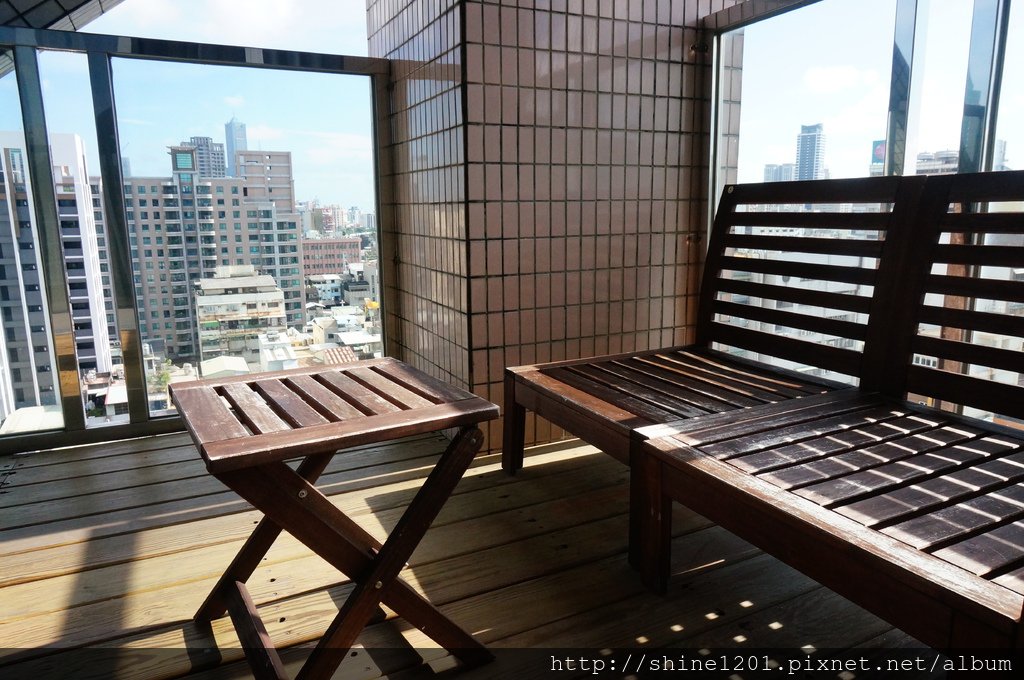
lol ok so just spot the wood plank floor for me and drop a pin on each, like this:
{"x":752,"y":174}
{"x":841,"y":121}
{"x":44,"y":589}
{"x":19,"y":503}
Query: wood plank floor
{"x":106,"y":551}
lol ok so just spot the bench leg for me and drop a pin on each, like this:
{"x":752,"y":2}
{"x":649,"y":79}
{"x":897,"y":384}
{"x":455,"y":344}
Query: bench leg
{"x":514,"y":429}
{"x":650,"y":520}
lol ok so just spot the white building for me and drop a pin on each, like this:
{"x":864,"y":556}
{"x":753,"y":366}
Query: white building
{"x":28,"y":368}
{"x":233,"y":308}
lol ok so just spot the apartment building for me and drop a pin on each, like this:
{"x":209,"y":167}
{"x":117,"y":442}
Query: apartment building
{"x":232,"y":309}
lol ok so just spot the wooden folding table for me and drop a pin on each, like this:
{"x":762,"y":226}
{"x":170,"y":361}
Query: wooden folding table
{"x":246,"y":427}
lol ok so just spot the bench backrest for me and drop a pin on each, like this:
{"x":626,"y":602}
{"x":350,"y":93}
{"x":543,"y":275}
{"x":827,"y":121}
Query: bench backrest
{"x":807,"y":273}
{"x":967,"y":343}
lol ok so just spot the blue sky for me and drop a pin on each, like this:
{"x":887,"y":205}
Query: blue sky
{"x":827,"y":63}
{"x":323,"y":119}
{"x":830,"y":63}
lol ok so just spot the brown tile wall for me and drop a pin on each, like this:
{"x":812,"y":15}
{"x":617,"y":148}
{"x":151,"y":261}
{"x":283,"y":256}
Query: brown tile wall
{"x":423,"y":235}
{"x":585,"y":169}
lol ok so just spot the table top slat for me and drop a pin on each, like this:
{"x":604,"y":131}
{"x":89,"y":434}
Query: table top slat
{"x":325,"y":401}
{"x":234,"y":454}
{"x":425,"y":385}
{"x":252,"y":410}
{"x":216,"y":421}
{"x":246,"y":421}
{"x":288,"y":404}
{"x":388,"y":389}
{"x":359,"y":393}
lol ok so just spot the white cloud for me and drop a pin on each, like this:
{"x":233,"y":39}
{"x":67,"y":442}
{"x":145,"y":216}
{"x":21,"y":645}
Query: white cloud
{"x":235,"y":101}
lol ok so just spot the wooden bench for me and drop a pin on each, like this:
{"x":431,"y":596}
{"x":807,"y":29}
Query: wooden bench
{"x":916,"y":513}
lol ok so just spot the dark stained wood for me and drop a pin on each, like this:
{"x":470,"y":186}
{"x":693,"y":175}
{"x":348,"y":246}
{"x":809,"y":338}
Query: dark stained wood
{"x":915,"y":513}
{"x":390,"y":390}
{"x":259,"y":650}
{"x":624,"y":399}
{"x":916,"y":499}
{"x":365,"y":400}
{"x":323,"y":400}
{"x":287,"y":404}
{"x":859,"y":304}
{"x":252,"y":410}
{"x":252,"y":467}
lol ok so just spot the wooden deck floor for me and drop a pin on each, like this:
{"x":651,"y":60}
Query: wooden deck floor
{"x":110,"y":549}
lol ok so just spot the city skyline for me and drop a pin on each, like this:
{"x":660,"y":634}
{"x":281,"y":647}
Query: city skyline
{"x":329,"y":131}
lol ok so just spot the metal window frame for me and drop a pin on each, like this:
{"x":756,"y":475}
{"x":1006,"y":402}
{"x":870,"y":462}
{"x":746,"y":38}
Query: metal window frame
{"x":100,"y":50}
{"x":989,"y":34}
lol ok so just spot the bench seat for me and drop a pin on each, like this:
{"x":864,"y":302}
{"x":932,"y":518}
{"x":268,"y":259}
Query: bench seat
{"x":879,"y":486}
{"x":603,"y":399}
{"x":915,"y":514}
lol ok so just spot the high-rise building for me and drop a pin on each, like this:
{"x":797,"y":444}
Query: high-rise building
{"x":209,"y":156}
{"x":234,"y":135}
{"x":28,"y":364}
{"x":783,"y":172}
{"x":184,"y":226}
{"x":810,"y":152}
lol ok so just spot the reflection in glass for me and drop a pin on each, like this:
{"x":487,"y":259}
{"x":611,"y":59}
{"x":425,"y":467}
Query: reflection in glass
{"x":807,"y":92}
{"x":940,"y":71}
{"x":1009,"y":137}
{"x":78,"y":186}
{"x":29,"y":398}
{"x":227,"y":183}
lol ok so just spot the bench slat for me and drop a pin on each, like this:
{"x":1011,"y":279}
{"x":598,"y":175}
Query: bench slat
{"x":906,"y":471}
{"x":985,"y":395}
{"x":676,"y":387}
{"x":859,"y":304}
{"x":714,"y":386}
{"x":643,"y":409}
{"x":834,"y":443}
{"x":995,"y":550}
{"x":252,"y":410}
{"x":776,"y":434}
{"x":326,"y":402}
{"x":990,"y":223}
{"x":763,"y":377}
{"x":961,"y":520}
{"x":836,"y":359}
{"x":388,"y":389}
{"x":874,"y":456}
{"x":606,"y":374}
{"x":808,"y":322}
{"x":810,"y":220}
{"x":287,"y":404}
{"x":357,"y":393}
{"x":989,"y":256}
{"x":799,"y":270}
{"x":962,"y":286}
{"x":970,"y":353}
{"x":1006,"y":324}
{"x":849,"y":247}
{"x":926,"y":496}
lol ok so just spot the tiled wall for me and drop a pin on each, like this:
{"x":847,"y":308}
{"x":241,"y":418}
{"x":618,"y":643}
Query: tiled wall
{"x":423,"y":235}
{"x":578,"y":228}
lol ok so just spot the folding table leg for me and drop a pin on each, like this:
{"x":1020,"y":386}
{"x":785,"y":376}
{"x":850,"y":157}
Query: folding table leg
{"x":298,"y":507}
{"x":254,"y":549}
{"x":404,"y":538}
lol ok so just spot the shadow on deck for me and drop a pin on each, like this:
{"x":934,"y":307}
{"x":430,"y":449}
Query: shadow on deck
{"x":106,"y":552}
